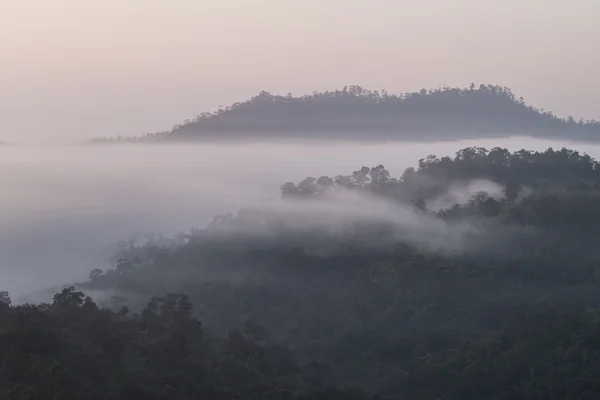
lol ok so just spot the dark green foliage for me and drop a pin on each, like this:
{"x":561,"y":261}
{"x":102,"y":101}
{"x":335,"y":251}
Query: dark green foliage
{"x":512,"y":313}
{"x":74,"y":350}
{"x":554,"y":170}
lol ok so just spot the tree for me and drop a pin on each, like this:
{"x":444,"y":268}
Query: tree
{"x":307,"y":187}
{"x":379,"y":175}
{"x":325,"y":183}
{"x":5,"y":298}
{"x":68,"y":297}
{"x":361,"y":176}
{"x":289,"y":189}
{"x":480,"y":197}
{"x":491,"y":207}
{"x":511,"y":191}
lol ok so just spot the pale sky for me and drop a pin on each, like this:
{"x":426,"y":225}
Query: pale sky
{"x":74,"y":69}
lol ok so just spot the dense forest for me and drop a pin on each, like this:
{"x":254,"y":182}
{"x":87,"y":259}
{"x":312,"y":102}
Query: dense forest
{"x":359,"y":286}
{"x":359,"y":114}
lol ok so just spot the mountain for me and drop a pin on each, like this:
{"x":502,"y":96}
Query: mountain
{"x":359,"y":114}
{"x":362,"y":282}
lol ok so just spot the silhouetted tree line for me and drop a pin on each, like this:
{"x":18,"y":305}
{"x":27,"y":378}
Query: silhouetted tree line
{"x":147,"y":138}
{"x":72,"y":349}
{"x":513,"y":315}
{"x":357,"y":113}
{"x":554,"y":170}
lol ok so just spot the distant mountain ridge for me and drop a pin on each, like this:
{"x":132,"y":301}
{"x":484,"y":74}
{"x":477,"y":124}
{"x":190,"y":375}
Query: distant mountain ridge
{"x":357,"y":113}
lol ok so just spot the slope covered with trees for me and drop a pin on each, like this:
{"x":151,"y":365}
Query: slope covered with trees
{"x":356,"y":282}
{"x":357,"y":113}
{"x":71,"y":349}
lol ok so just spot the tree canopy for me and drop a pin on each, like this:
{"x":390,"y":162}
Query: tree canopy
{"x":411,"y":291}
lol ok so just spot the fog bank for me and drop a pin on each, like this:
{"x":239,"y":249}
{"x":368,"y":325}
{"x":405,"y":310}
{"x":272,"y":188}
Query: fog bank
{"x":62,"y":207}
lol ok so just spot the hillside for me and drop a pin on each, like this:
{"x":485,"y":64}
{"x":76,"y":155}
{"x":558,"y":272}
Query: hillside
{"x":418,"y":287}
{"x":356,"y":113}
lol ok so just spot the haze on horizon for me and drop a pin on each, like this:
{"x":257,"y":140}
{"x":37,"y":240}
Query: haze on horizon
{"x":73,"y":70}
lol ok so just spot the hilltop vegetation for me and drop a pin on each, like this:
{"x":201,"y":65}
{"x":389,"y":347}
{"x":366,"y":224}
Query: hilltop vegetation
{"x":71,"y":349}
{"x":356,"y":113}
{"x":383,"y":287}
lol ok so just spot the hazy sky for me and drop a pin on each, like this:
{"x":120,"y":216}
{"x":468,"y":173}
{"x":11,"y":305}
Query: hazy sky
{"x":72,"y":69}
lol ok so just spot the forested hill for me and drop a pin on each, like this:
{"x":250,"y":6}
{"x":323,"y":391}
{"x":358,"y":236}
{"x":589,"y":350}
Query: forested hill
{"x":474,"y":276}
{"x":356,"y":113}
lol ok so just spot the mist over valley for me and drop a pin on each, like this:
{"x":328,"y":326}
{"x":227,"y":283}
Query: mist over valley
{"x":67,"y":205}
{"x":299,"y":200}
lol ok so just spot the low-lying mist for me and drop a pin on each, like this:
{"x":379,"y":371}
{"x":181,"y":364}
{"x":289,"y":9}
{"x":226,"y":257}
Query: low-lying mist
{"x":62,"y":208}
{"x":346,"y":215}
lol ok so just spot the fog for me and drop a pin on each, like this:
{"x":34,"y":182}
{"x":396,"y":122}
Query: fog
{"x":63,"y":207}
{"x":295,"y":222}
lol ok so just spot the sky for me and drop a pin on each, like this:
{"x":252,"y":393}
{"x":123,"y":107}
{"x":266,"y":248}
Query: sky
{"x":75,"y":69}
